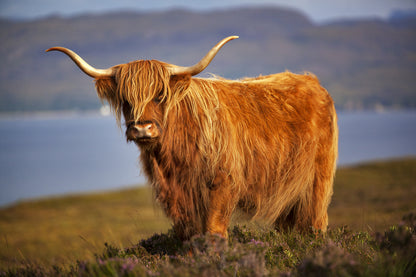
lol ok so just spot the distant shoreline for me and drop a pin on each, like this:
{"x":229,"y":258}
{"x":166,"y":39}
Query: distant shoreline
{"x":105,"y":112}
{"x":54,"y":114}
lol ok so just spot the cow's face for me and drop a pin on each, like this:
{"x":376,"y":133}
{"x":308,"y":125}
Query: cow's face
{"x":138,"y":92}
{"x":144,"y":96}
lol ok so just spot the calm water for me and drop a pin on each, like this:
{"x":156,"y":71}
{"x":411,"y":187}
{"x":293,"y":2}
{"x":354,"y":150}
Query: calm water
{"x":69,"y":154}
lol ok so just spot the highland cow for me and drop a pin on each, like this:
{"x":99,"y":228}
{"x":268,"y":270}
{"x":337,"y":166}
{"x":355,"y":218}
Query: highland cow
{"x":267,"y":145}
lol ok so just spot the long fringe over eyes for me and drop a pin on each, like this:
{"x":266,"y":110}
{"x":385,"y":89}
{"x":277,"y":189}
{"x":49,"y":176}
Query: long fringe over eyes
{"x":136,"y":83}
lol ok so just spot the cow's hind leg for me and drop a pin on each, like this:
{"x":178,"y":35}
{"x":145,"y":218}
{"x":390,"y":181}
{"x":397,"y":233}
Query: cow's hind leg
{"x":322,"y":192}
{"x":325,"y":166}
{"x":323,"y":185}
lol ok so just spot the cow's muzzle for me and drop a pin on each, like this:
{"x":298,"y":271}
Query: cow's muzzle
{"x":142,"y":131}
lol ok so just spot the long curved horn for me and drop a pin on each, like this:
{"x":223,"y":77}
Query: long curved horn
{"x":83,"y":65}
{"x":202,"y":64}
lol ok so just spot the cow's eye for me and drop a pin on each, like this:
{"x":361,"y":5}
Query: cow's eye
{"x":158,"y":98}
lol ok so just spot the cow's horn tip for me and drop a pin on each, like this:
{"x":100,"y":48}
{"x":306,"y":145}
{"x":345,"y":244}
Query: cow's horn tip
{"x":50,"y":49}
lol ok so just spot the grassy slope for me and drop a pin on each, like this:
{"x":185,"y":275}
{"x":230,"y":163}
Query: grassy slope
{"x":63,"y":230}
{"x":373,"y":196}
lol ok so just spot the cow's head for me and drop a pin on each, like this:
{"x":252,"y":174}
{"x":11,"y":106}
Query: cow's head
{"x":142,"y":90}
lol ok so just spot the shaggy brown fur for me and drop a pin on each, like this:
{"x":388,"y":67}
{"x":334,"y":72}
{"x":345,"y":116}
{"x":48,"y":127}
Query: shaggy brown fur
{"x":266,"y":144}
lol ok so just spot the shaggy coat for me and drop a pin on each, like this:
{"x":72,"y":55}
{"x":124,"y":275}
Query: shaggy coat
{"x":266,"y":144}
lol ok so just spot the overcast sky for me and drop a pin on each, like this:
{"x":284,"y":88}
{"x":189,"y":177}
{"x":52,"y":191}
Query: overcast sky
{"x":318,"y":10}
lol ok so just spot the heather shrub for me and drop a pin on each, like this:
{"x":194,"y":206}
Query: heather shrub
{"x":254,"y":252}
{"x":330,"y":260}
{"x":397,"y":248}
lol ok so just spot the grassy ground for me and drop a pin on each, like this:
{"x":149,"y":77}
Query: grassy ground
{"x":60,"y":231}
{"x":372,"y":197}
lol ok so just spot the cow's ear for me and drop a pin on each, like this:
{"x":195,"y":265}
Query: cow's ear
{"x":106,"y":88}
{"x":179,"y":83}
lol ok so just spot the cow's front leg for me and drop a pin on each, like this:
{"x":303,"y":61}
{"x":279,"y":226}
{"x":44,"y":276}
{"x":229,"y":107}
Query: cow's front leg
{"x":222,"y":202}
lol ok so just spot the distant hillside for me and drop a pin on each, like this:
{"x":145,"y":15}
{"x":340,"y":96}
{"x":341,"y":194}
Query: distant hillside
{"x":363,"y":64}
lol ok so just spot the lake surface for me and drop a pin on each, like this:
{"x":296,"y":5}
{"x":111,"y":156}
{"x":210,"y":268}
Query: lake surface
{"x":42,"y":156}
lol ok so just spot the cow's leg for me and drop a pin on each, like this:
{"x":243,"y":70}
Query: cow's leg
{"x":322,"y":192}
{"x":220,"y":210}
{"x":221,"y":206}
{"x":323,"y":182}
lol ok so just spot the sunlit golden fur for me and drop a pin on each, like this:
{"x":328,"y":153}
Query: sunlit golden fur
{"x":266,"y":144}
